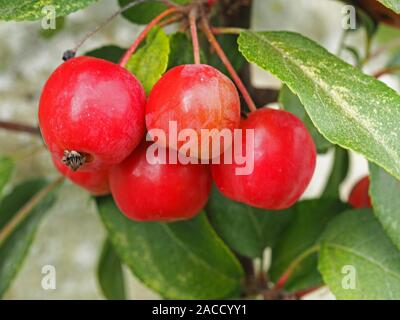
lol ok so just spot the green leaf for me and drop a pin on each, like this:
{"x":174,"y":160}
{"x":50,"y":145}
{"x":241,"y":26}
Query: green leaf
{"x":338,"y":174}
{"x":14,"y":248}
{"x":391,"y":4}
{"x":20,"y":10}
{"x":180,"y":260}
{"x":385,"y":195}
{"x":348,"y":107}
{"x":292,"y":103}
{"x":356,"y":242}
{"x":245,"y":229}
{"x":309,"y":221}
{"x":6,"y":169}
{"x":110,"y":273}
{"x":150,"y":61}
{"x":181,"y":50}
{"x":109,"y":53}
{"x":144,"y":12}
{"x":21,"y":194}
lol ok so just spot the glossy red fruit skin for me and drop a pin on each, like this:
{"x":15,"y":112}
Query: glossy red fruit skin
{"x":196,"y":97}
{"x":284,"y":162}
{"x":159,"y":192}
{"x":92,"y":106}
{"x":96,"y":182}
{"x":359,"y":197}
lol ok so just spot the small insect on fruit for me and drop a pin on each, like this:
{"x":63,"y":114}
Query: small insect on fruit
{"x":91,"y":113}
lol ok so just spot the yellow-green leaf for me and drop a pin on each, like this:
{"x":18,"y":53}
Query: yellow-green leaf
{"x":150,"y":61}
{"x":392,"y":4}
{"x":20,"y":10}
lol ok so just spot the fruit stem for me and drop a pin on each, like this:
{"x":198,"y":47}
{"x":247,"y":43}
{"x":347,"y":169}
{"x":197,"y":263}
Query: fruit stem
{"x":293,"y":265}
{"x":69,"y":54}
{"x":27,"y":208}
{"x":193,"y":31}
{"x":387,"y":70}
{"x":74,"y":159}
{"x":170,"y":20}
{"x":213,"y":41}
{"x":144,"y":33}
{"x":18,"y":127}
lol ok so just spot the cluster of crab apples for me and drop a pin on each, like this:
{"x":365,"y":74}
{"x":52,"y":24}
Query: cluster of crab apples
{"x":94,"y":116}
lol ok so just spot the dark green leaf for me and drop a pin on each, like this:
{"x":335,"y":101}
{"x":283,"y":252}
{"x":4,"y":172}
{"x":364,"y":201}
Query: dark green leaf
{"x":229,"y":44}
{"x":338,"y":174}
{"x":110,"y":274}
{"x":292,"y":103}
{"x":181,"y":50}
{"x":310,"y":219}
{"x":348,"y":107}
{"x":181,"y":260}
{"x":392,"y":4}
{"x":143,"y":13}
{"x":15,"y":247}
{"x":245,"y":229}
{"x":109,"y":53}
{"x":367,"y":22}
{"x":20,"y":10}
{"x":385,"y":195}
{"x":21,"y":194}
{"x":151,"y":60}
{"x":6,"y":169}
{"x":354,"y":244}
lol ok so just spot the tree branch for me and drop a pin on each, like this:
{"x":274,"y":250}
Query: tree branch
{"x":19,"y":127}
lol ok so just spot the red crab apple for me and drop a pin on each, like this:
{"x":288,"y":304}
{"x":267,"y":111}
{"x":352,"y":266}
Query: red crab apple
{"x":148,"y":191}
{"x":193,"y":97}
{"x":91,"y":113}
{"x":359,"y":197}
{"x":284,"y":162}
{"x":96,"y":182}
